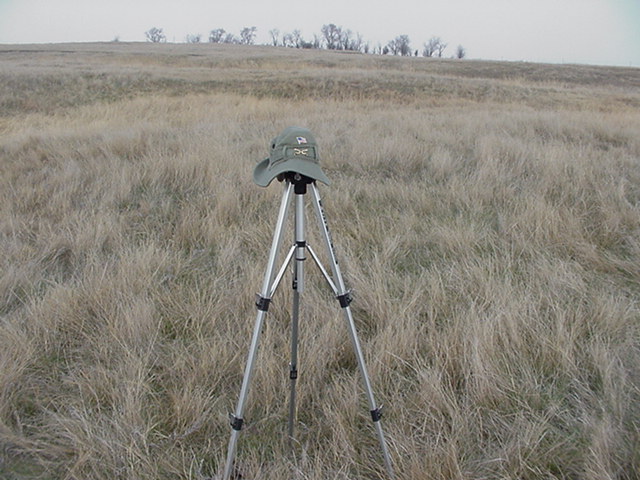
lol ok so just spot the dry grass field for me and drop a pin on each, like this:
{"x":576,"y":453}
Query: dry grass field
{"x":486,"y":216}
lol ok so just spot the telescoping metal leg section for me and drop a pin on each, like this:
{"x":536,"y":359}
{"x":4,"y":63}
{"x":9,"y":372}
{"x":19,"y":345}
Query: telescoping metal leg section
{"x":344,"y":298}
{"x":264,"y":298}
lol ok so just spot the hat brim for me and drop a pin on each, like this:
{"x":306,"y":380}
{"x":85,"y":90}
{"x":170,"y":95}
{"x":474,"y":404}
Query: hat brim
{"x":263,"y":175}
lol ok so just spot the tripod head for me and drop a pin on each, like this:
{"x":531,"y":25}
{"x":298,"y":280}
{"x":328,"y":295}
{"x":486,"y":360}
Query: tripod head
{"x":298,"y":181}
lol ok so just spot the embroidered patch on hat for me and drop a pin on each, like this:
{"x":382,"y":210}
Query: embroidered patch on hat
{"x":301,"y":140}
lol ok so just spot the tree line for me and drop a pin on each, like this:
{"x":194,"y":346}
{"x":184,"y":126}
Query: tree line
{"x":331,"y":37}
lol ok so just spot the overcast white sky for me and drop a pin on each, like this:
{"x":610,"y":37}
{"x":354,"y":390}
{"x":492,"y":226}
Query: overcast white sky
{"x":560,"y":31}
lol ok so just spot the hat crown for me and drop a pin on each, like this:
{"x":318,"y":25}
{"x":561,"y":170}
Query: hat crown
{"x":293,"y":143}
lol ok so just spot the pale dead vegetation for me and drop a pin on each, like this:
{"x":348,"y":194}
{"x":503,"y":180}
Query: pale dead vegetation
{"x":486,"y":215}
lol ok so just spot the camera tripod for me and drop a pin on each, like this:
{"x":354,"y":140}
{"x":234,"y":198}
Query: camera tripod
{"x":299,"y":184}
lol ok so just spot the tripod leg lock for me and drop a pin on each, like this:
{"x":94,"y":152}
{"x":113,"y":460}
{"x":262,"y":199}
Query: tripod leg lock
{"x":376,"y":414}
{"x":262,"y":303}
{"x":236,"y":422}
{"x":345,"y":299}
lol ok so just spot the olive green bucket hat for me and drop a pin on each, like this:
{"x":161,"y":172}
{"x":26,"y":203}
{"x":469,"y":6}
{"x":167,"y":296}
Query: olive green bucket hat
{"x":294,"y":150}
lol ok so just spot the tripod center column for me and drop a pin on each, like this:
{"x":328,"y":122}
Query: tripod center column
{"x":301,"y":244}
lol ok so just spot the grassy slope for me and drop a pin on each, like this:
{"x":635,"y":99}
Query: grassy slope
{"x":486,"y":214}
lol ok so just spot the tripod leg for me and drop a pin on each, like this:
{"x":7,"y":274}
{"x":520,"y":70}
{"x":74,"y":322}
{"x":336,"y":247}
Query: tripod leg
{"x":345,"y":299}
{"x":263,"y":305}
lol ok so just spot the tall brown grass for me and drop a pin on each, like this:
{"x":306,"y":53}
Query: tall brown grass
{"x":487,"y":216}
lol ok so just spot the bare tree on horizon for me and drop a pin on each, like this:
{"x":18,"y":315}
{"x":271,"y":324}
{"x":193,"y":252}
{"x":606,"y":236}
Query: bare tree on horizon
{"x":275,"y":36}
{"x":216,"y":35}
{"x":400,"y":46}
{"x":248,"y":35}
{"x":155,"y":35}
{"x":431,"y":47}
